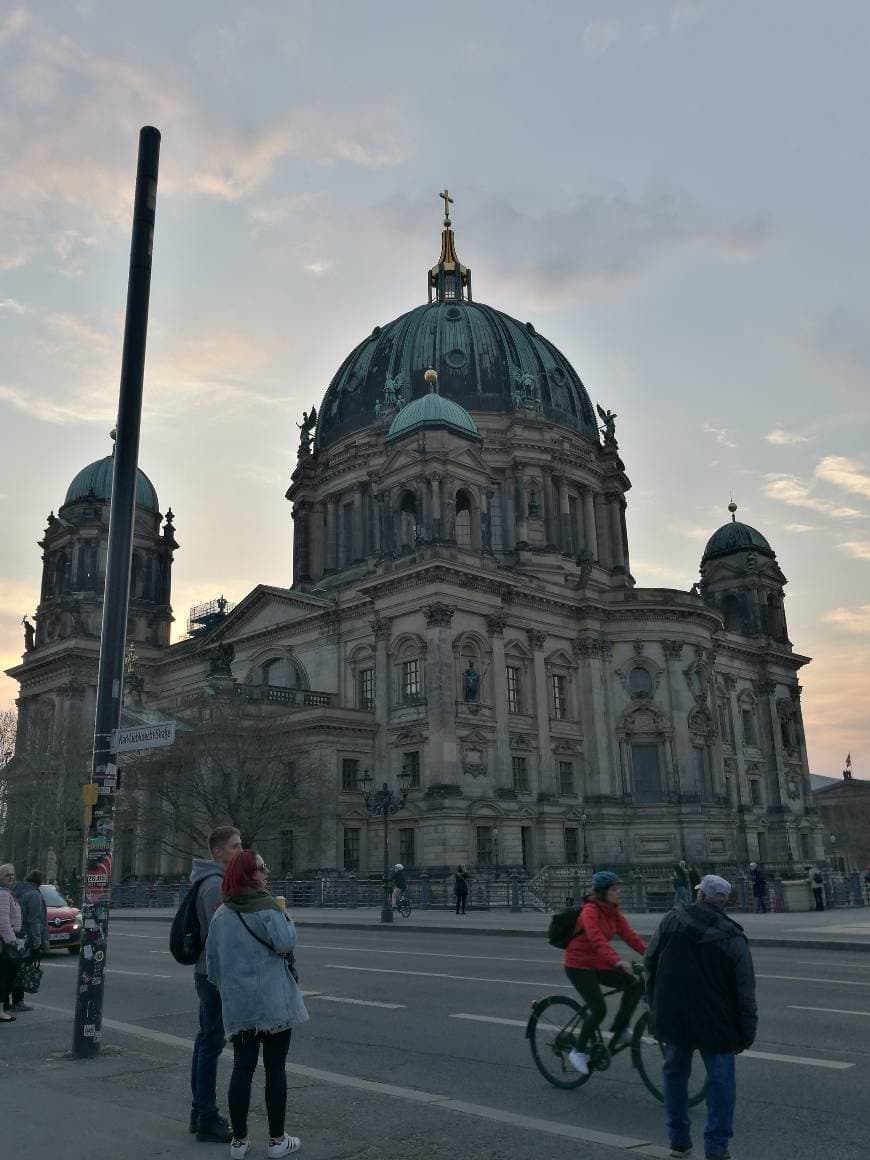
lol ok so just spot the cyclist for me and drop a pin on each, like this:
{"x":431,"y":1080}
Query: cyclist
{"x":399,"y":881}
{"x":590,"y":960}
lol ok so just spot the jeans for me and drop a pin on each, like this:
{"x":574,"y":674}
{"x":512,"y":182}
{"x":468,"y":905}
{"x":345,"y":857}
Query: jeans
{"x":460,"y":903}
{"x":721,"y":1094}
{"x":819,"y":897}
{"x":588,"y":983}
{"x":760,"y":904}
{"x":246,"y":1052}
{"x":206,"y":1049}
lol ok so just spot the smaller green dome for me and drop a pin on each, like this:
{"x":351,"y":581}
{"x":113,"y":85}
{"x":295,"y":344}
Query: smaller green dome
{"x":433,"y":410}
{"x":736,"y":537}
{"x":95,"y":481}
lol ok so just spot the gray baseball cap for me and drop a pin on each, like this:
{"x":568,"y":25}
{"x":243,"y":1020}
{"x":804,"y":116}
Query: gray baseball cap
{"x":714,"y":886}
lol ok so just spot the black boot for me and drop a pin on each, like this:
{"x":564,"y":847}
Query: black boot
{"x":214,"y":1129}
{"x":194,"y":1121}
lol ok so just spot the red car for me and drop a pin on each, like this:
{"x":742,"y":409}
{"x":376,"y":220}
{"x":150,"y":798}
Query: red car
{"x":64,"y":921}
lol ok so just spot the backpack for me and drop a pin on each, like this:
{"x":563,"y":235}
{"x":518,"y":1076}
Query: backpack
{"x":185,"y":937}
{"x":817,"y":877}
{"x":561,"y":929}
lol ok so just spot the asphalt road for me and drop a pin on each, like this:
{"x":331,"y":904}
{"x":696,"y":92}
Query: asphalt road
{"x":442,"y":1016}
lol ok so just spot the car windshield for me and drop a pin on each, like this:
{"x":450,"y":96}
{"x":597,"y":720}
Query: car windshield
{"x":53,"y":896}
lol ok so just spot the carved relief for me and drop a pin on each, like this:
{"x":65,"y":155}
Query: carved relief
{"x":538,"y":638}
{"x":438,"y":615}
{"x":496,"y":623}
{"x":701,"y":722}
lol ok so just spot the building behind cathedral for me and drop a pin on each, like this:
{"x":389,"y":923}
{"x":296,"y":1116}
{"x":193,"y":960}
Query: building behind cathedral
{"x":462,"y":609}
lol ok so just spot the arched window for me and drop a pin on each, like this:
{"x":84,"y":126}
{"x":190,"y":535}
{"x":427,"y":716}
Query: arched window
{"x":775,"y":625}
{"x":408,"y":521}
{"x":275,"y":672}
{"x":731,"y":614}
{"x":463,"y":520}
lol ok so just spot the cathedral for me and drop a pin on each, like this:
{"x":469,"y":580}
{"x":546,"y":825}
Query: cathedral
{"x":461,"y":615}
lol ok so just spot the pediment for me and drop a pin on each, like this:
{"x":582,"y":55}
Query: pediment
{"x":267,"y":608}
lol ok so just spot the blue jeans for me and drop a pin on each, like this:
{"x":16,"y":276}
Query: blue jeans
{"x":721,"y":1095}
{"x":207,"y":1049}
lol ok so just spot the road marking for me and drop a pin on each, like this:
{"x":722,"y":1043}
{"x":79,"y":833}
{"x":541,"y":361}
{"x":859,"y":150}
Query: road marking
{"x":423,"y":954}
{"x":832,"y":1064}
{"x":141,"y":974}
{"x":831,"y":1010}
{"x":355,"y":1002}
{"x":411,"y":1095}
{"x":443,"y":975}
{"x":802,"y":979}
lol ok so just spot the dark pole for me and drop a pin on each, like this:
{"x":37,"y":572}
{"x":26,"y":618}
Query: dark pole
{"x":99,"y":796}
{"x":387,"y":908}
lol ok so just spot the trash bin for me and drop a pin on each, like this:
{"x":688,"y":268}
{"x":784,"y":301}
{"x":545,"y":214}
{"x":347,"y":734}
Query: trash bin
{"x":796,"y":895}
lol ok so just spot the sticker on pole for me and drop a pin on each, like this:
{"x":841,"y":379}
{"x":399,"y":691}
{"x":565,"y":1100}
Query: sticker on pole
{"x":145,"y":737}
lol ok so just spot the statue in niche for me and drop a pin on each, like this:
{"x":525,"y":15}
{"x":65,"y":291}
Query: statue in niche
{"x":608,"y":425}
{"x":393,"y":395}
{"x":29,"y":635}
{"x":220,"y":665}
{"x":534,"y":509}
{"x":471,"y":682}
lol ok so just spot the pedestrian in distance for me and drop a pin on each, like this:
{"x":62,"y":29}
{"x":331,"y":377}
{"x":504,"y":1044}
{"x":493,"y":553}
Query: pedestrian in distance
{"x":34,"y":928}
{"x":680,"y":882}
{"x":694,"y":881}
{"x":816,"y":881}
{"x":10,"y":924}
{"x":460,"y":889}
{"x":206,"y":876}
{"x":759,"y":887}
{"x":701,"y":995}
{"x":248,"y":944}
{"x":399,"y":881}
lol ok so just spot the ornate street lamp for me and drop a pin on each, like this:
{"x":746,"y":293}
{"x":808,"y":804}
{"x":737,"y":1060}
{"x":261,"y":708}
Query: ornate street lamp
{"x":583,"y":821}
{"x":384,"y":803}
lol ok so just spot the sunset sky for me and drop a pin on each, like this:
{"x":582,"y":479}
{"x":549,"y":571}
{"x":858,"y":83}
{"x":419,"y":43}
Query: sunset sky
{"x":675,"y":193}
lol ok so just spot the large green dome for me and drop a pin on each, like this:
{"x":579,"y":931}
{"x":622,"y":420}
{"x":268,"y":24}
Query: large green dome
{"x":433,"y":411}
{"x":95,"y":482}
{"x":736,"y":537}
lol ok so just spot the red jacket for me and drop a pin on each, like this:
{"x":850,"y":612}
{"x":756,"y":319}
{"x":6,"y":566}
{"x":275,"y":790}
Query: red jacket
{"x":600,"y":922}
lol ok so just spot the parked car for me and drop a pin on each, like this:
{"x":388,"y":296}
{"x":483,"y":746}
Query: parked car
{"x":64,"y":921}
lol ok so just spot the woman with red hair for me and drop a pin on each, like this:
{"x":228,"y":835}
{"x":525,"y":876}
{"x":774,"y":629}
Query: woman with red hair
{"x":249,"y":941}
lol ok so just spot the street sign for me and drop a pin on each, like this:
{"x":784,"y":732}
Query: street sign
{"x":145,"y":737}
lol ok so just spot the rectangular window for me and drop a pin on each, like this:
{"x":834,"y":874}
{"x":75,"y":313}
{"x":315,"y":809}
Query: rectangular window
{"x":748,"y":726}
{"x":566,"y":777}
{"x":559,"y":696}
{"x":366,"y":688}
{"x":496,"y":524}
{"x":646,"y":771}
{"x":514,"y":689}
{"x":349,"y":774}
{"x":724,"y":731}
{"x":701,"y":773}
{"x":411,"y":680}
{"x":485,"y":846}
{"x":755,"y":792}
{"x":347,"y":530}
{"x":408,"y":847}
{"x":520,"y":774}
{"x":285,"y":852}
{"x":351,"y":849}
{"x":572,"y":846}
{"x":411,"y":765}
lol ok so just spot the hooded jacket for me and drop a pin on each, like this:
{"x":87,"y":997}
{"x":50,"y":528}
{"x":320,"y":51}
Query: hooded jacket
{"x":700,"y":981}
{"x":600,"y":922}
{"x":34,"y":913}
{"x":211,"y":875}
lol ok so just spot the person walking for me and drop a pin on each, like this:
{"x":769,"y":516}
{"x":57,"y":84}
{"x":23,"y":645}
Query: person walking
{"x":206,"y":876}
{"x":460,"y":889}
{"x":759,"y":887}
{"x":34,"y":927}
{"x":10,"y":924}
{"x":400,"y":883}
{"x":248,"y":944}
{"x":701,"y":995}
{"x":680,"y":881}
{"x":816,"y":881}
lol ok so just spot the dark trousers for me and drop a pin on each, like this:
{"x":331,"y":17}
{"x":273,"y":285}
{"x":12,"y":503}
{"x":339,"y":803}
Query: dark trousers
{"x":819,"y":896}
{"x":721,"y":1096}
{"x":460,"y":903}
{"x":246,"y":1052}
{"x":8,"y":971}
{"x":588,"y":983}
{"x":760,"y":904}
{"x":207,"y":1048}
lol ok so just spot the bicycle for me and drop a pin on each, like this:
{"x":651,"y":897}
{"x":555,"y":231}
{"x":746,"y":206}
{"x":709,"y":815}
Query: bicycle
{"x":403,"y":906}
{"x":551,"y":1039}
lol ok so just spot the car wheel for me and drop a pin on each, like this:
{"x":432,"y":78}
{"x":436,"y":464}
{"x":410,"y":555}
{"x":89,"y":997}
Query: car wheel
{"x":72,"y":950}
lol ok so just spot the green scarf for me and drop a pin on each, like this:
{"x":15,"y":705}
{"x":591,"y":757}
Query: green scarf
{"x":251,"y":901}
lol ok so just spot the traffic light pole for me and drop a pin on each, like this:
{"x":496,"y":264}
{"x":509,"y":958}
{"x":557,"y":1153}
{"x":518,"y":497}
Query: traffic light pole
{"x":99,"y":795}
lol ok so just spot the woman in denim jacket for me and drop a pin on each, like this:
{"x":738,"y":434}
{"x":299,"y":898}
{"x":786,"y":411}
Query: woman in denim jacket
{"x":260,"y":998}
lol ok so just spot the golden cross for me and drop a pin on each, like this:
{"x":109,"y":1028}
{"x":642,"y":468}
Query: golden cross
{"x":448,"y":201}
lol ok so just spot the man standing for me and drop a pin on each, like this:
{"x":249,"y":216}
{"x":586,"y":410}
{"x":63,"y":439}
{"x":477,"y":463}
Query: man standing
{"x":34,"y":927}
{"x":205,"y":877}
{"x":701,"y":991}
{"x":817,"y":885}
{"x":680,"y":881}
{"x":759,"y":887}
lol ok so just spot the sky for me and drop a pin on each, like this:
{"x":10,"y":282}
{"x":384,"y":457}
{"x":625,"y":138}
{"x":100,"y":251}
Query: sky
{"x":674,"y":192}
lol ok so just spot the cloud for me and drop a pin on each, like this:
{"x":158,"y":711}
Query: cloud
{"x":780,"y":438}
{"x":12,"y":307}
{"x":719,"y":433}
{"x":13,"y":23}
{"x":689,"y":531}
{"x":860,"y":549}
{"x":800,"y":528}
{"x":852,"y":619}
{"x":791,"y":490}
{"x":844,"y":473}
{"x":318,"y":265}
{"x":838,"y":342}
{"x":645,"y":570}
{"x":599,"y":36}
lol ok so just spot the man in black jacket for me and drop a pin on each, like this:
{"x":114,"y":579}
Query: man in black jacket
{"x":34,"y":927}
{"x":701,"y":991}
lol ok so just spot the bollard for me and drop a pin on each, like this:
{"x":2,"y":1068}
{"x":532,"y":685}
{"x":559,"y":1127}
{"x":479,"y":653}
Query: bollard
{"x":352,"y":889}
{"x":576,"y":890}
{"x":515,"y":892}
{"x":424,"y":890}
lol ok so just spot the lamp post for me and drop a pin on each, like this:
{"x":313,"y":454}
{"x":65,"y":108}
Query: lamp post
{"x":384,"y":802}
{"x":583,"y":821}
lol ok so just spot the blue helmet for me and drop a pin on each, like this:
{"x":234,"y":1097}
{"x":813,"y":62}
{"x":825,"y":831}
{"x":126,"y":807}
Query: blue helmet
{"x":602,"y":879}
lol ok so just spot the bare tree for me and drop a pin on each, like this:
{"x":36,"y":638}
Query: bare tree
{"x":8,"y":729}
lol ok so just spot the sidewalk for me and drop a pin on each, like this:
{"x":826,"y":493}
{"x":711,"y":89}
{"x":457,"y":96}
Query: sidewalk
{"x":846,"y":928}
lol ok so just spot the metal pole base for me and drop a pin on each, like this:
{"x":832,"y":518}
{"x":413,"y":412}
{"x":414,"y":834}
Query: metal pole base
{"x":386,"y":913}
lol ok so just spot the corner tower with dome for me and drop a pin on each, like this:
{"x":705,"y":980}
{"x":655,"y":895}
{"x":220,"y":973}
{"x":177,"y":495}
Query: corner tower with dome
{"x":461,"y":608}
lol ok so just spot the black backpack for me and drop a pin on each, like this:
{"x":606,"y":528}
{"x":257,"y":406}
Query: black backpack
{"x":561,"y":929}
{"x":185,"y":937}
{"x":817,"y":877}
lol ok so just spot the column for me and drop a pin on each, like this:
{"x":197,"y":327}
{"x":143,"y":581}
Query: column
{"x":510,"y":514}
{"x":476,"y":522}
{"x":495,"y":624}
{"x":566,"y":539}
{"x":743,"y":795}
{"x":437,"y":521}
{"x":551,"y":533}
{"x":590,"y":683}
{"x":590,"y":539}
{"x":519,"y":488}
{"x":767,"y":695}
{"x":602,"y":530}
{"x":616,"y":553}
{"x":331,"y":539}
{"x":542,"y":706}
{"x":358,"y":530}
{"x":678,"y":694}
{"x":380,"y":626}
{"x":441,"y":690}
{"x":448,"y":508}
{"x":376,"y":500}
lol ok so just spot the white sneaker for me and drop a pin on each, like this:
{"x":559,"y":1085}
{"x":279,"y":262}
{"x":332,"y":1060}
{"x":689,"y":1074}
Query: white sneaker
{"x":239,"y":1149}
{"x":287,"y":1145}
{"x":579,"y":1060}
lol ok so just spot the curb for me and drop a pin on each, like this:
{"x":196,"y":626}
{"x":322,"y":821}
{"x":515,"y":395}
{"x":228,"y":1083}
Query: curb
{"x":813,"y":944}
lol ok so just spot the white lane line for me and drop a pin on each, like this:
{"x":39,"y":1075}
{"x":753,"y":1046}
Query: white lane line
{"x":410,"y":1095}
{"x":443,"y":975}
{"x":425,"y":954}
{"x":358,"y":1002}
{"x":803,"y":979}
{"x":832,"y":1064}
{"x":141,"y":974}
{"x":830,"y":1010}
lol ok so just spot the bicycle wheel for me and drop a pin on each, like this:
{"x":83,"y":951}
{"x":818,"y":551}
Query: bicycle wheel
{"x":404,"y":907}
{"x":648,"y":1055}
{"x":552,"y":1031}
